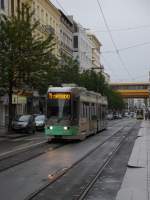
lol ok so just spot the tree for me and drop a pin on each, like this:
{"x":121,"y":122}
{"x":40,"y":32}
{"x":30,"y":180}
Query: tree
{"x":24,"y":59}
{"x":115,"y":100}
{"x":93,"y":81}
{"x":67,"y":71}
{"x":96,"y":82}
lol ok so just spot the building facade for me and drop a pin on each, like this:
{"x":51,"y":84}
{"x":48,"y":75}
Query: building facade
{"x":4,"y":6}
{"x":66,"y":35}
{"x":49,"y":17}
{"x":4,"y":9}
{"x":95,"y":51}
{"x":82,"y":47}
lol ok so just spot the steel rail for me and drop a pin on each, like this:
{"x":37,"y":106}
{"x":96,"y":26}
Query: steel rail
{"x":16,"y":163}
{"x":110,"y":157}
{"x":25,"y":150}
{"x":56,"y":176}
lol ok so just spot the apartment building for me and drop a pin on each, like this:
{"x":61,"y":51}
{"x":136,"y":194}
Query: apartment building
{"x":82,"y":47}
{"x":49,"y":17}
{"x":95,"y":51}
{"x":4,"y":6}
{"x":66,"y":35}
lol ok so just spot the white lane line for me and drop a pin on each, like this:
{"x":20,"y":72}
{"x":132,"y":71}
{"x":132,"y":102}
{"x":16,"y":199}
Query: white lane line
{"x":27,"y":139}
{"x":22,"y":148}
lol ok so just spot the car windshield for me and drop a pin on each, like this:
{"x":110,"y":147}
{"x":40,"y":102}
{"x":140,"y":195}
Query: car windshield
{"x":24,"y":118}
{"x":40,"y":118}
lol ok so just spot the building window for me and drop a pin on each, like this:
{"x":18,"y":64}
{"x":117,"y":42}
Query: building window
{"x":18,"y":4}
{"x":75,"y":42}
{"x":12,"y":7}
{"x":42,"y":14}
{"x":2,"y":5}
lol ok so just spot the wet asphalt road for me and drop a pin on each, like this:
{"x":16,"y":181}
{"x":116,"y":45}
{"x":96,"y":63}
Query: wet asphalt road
{"x":28,"y":177}
{"x":108,"y":184}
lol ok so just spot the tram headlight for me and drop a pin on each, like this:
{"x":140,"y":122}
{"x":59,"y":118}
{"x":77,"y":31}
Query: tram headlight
{"x":51,"y":127}
{"x":65,"y":128}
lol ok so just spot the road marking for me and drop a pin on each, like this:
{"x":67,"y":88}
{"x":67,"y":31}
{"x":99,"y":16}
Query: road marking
{"x":27,"y":139}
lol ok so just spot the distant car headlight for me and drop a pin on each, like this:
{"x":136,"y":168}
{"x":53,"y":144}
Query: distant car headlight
{"x":51,"y":127}
{"x":65,"y":128}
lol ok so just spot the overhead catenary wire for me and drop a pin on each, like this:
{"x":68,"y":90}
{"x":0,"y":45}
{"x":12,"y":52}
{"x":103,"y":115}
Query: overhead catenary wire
{"x":59,"y":4}
{"x":110,"y":69}
{"x":129,"y":47}
{"x":113,"y":42}
{"x":135,"y":28}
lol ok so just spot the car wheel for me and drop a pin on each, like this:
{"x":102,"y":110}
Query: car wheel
{"x":31,"y":131}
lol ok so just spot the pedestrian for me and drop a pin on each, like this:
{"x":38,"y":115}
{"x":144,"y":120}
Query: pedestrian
{"x":146,"y":115}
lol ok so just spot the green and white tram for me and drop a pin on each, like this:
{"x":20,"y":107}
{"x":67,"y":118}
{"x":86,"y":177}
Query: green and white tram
{"x":74,"y":113}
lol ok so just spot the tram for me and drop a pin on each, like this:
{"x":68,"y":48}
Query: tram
{"x":74,"y":113}
{"x":140,"y":114}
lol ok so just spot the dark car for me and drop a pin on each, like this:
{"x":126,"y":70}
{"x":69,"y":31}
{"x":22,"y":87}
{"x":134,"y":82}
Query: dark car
{"x":24,"y":123}
{"x":40,"y":121}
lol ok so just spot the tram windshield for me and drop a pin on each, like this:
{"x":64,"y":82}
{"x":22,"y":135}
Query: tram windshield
{"x":59,"y":105}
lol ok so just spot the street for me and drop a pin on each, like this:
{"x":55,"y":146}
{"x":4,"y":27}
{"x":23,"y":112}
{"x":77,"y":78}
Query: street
{"x":74,"y":100}
{"x":42,"y":171}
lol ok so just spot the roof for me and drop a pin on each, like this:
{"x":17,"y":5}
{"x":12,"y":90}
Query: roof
{"x":52,"y":5}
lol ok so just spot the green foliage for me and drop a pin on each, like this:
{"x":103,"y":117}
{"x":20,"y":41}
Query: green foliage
{"x":24,"y":59}
{"x":96,"y":82}
{"x":93,"y":81}
{"x":115,"y":100}
{"x":67,"y":71}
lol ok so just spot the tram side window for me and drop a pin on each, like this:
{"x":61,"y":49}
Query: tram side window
{"x":86,"y":110}
{"x":93,"y":113}
{"x":81,"y":110}
{"x":75,"y":109}
{"x":103,"y":112}
{"x":99,"y":113}
{"x":89,"y":112}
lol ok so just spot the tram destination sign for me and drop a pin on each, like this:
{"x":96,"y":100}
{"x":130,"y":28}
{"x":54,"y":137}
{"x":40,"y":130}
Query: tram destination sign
{"x":65,"y":96}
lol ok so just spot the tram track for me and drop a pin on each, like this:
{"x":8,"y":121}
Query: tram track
{"x":100,"y":171}
{"x":55,"y":177}
{"x":24,"y":156}
{"x":90,"y":185}
{"x":27,"y":154}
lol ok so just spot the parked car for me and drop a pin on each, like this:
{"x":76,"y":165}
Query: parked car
{"x":120,"y":116}
{"x":24,"y":123}
{"x":116,"y":116}
{"x":110,"y":116}
{"x":40,"y":121}
{"x":126,"y":114}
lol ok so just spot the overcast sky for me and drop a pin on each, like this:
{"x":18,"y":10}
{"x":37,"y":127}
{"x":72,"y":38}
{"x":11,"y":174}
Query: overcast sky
{"x":132,"y":18}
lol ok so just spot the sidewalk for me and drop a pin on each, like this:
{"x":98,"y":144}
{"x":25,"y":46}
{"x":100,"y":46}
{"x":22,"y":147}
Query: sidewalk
{"x":136,"y":183}
{"x":3,"y":131}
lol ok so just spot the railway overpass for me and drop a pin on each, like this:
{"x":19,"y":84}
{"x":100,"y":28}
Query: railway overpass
{"x":135,"y":90}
